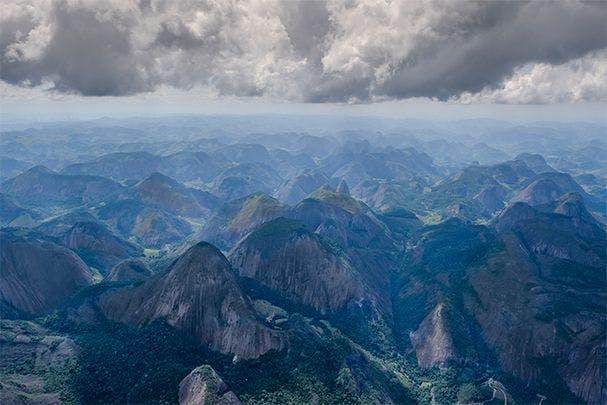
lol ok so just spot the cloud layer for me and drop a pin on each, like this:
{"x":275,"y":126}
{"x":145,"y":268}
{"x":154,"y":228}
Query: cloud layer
{"x":335,"y":51}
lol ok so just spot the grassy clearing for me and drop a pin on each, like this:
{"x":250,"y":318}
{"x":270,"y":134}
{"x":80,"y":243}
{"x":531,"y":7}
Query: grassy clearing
{"x":152,"y":253}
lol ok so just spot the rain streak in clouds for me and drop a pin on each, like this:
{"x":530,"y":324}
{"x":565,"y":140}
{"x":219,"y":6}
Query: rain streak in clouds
{"x":334,"y":51}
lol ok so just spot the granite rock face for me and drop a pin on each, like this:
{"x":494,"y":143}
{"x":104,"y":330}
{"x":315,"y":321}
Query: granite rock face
{"x":31,"y":357}
{"x":436,"y":342}
{"x":342,"y":219}
{"x":129,"y":270}
{"x":283,"y":256}
{"x":548,"y":187}
{"x":203,"y":386}
{"x":237,"y":218}
{"x":37,"y":275}
{"x":200,"y":296}
{"x":343,"y":188}
{"x":527,"y":290}
{"x":98,"y":246}
{"x":548,"y":297}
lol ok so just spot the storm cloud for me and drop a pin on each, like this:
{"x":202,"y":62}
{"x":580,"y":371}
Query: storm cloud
{"x":342,"y":51}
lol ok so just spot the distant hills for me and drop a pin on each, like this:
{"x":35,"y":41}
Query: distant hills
{"x":420,"y":264}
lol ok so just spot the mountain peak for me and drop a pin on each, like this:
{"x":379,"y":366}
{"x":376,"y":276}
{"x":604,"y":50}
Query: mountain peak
{"x":547,"y":187}
{"x":343,"y":188}
{"x":277,"y":229}
{"x":204,"y":251}
{"x":98,"y":246}
{"x":129,"y":270}
{"x":343,"y":201}
{"x":514,"y":214}
{"x":40,"y":169}
{"x":201,"y":296}
{"x":572,"y":205}
{"x":37,"y":275}
{"x":204,"y":386}
{"x":167,"y":193}
{"x":285,"y":257}
{"x":157,"y":178}
{"x":535,"y":161}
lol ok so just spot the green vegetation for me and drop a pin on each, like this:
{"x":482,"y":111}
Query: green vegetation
{"x":97,"y":276}
{"x":196,"y":225}
{"x":151,"y":253}
{"x":343,"y":201}
{"x":33,"y":364}
{"x":24,"y":220}
{"x":269,"y":311}
{"x":119,"y":364}
{"x":277,"y":230}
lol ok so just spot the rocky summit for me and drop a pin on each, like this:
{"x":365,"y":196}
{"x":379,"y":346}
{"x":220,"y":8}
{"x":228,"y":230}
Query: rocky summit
{"x":203,"y":386}
{"x":283,"y":256}
{"x":200,"y":295}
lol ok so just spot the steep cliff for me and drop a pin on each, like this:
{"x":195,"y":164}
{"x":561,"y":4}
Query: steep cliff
{"x":129,"y":270}
{"x":545,"y":313}
{"x":237,"y":218}
{"x":98,"y":246}
{"x":199,"y":295}
{"x":525,"y":295}
{"x":37,"y":275}
{"x":438,"y":339}
{"x":203,"y":386}
{"x":285,"y":257}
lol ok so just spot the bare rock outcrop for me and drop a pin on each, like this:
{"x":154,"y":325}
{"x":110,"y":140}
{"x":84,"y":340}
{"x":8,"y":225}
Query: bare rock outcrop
{"x":98,"y":246}
{"x":528,"y":290}
{"x":201,"y":296}
{"x":35,"y":364}
{"x":436,"y":341}
{"x":37,"y":275}
{"x":548,"y":296}
{"x":283,"y":256}
{"x":343,"y":188}
{"x":203,"y":386}
{"x":548,"y":187}
{"x":129,"y":270}
{"x":237,"y":218}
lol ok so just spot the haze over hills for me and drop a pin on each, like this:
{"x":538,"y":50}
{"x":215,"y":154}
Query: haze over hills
{"x":359,"y":265}
{"x":303,"y":202}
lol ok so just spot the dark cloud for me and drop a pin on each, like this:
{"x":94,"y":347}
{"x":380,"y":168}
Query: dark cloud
{"x":85,"y":54}
{"x":540,"y":32}
{"x":353,"y":51}
{"x":93,"y":56}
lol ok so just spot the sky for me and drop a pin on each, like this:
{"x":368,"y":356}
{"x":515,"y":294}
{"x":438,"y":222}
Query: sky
{"x":416,"y":59}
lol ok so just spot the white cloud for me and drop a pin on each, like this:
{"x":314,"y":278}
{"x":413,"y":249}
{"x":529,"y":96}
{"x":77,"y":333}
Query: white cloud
{"x":579,"y":80}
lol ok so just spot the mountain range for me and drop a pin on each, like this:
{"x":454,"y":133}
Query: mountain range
{"x":287,"y":267}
